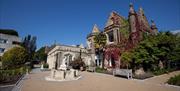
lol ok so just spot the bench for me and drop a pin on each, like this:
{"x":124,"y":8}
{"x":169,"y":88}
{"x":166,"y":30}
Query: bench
{"x":123,"y":72}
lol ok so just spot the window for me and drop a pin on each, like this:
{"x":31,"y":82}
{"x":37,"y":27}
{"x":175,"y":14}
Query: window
{"x":2,"y":50}
{"x":3,"y":41}
{"x":110,"y":36}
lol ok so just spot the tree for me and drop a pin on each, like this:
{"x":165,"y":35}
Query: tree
{"x":176,"y":51}
{"x":29,"y":43}
{"x":40,"y":54}
{"x":145,"y":53}
{"x":100,"y":42}
{"x":166,"y":44}
{"x":126,"y":58}
{"x":14,"y":58}
{"x":157,"y":51}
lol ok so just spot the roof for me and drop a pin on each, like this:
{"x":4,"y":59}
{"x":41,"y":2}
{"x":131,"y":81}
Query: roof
{"x":9,"y":32}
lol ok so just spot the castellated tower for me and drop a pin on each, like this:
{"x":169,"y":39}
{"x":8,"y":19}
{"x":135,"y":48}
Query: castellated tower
{"x":144,"y":26}
{"x":134,"y":32}
{"x":143,"y":22}
{"x":139,"y":25}
{"x":132,"y":18}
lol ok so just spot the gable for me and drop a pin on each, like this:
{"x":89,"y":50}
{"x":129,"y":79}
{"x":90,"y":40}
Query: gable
{"x":114,"y":18}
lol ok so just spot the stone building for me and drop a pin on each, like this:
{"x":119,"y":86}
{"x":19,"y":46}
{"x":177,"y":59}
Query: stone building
{"x":136,"y":25}
{"x":115,"y":30}
{"x":61,"y":53}
{"x":7,"y":41}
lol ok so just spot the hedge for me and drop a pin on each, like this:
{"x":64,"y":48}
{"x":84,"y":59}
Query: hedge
{"x":10,"y":75}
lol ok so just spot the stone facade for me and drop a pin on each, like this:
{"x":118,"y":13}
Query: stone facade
{"x":137,"y":25}
{"x":7,"y":42}
{"x":61,"y":53}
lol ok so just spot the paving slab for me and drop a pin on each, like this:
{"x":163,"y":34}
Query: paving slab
{"x":91,"y":82}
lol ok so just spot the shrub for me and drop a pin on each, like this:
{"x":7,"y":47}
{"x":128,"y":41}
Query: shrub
{"x":10,"y":75}
{"x":174,"y":80}
{"x":45,"y":65}
{"x":160,"y":71}
{"x":14,"y":58}
{"x":163,"y":71}
{"x":77,"y":63}
{"x":100,"y":70}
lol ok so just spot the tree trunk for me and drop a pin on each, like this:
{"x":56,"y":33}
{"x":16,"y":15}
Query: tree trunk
{"x":103,"y":60}
{"x":119,"y":62}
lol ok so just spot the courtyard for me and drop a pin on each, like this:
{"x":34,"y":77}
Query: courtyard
{"x":97,"y":82}
{"x":89,"y":45}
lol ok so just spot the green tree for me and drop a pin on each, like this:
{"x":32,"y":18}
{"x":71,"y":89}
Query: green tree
{"x":175,"y":57}
{"x":100,"y":42}
{"x":29,"y":43}
{"x":40,"y":54}
{"x":126,"y":58}
{"x":166,"y":44}
{"x":14,"y":58}
{"x":162,"y":48}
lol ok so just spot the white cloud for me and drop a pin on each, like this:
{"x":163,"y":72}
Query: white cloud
{"x":176,"y":31}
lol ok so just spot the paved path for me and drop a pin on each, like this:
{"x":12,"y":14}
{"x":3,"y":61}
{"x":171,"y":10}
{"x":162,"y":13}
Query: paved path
{"x":91,"y":82}
{"x":18,"y":85}
{"x":162,"y":79}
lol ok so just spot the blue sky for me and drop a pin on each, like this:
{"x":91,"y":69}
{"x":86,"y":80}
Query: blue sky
{"x":69,"y":21}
